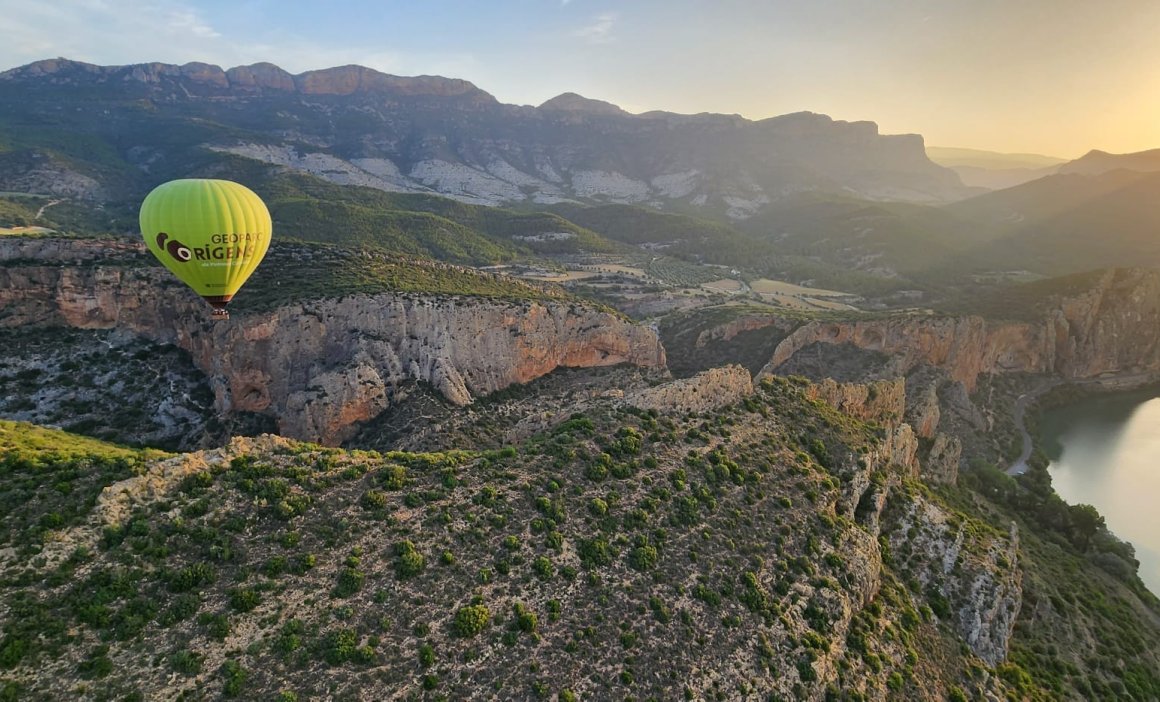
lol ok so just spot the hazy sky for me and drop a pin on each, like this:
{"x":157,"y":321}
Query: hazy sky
{"x":1049,"y":76}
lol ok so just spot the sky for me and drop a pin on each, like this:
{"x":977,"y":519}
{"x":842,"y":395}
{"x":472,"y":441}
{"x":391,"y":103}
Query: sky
{"x":1056,"y":77}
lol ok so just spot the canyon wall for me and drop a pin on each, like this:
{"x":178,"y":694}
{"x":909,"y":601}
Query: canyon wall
{"x":1114,"y":327}
{"x":323,"y":366}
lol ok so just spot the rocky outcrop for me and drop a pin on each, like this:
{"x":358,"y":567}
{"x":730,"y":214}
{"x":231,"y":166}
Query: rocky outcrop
{"x":322,"y":367}
{"x":44,"y":174}
{"x":922,"y":403}
{"x":46,"y":250}
{"x":968,"y":571}
{"x":730,"y":329}
{"x":880,"y":401}
{"x":117,"y":501}
{"x":708,"y":390}
{"x":941,"y":463}
{"x":963,"y":346}
{"x":1113,"y":327}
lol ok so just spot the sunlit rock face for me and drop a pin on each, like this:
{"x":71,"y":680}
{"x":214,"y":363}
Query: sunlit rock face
{"x":321,"y":367}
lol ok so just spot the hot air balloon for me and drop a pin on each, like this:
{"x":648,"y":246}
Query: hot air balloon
{"x":211,"y":234}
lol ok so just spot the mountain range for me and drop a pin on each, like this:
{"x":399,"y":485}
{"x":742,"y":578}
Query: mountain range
{"x":436,"y":167}
{"x":118,"y":129}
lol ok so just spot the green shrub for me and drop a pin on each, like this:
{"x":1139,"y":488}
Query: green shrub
{"x":393,"y":477}
{"x":244,"y":599}
{"x":594,"y":552}
{"x":185,"y":662}
{"x":350,"y":581}
{"x":340,"y":646}
{"x":643,"y":557}
{"x":543,"y":568}
{"x":408,"y":561}
{"x":526,"y":620}
{"x":374,"y":500}
{"x":234,"y":677}
{"x":471,"y":620}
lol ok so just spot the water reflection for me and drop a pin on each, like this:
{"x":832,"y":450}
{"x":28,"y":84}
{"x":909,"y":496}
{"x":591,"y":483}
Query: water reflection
{"x":1106,"y":452}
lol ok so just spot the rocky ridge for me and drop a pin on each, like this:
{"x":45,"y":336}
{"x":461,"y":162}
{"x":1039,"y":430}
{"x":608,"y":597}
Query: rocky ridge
{"x":1112,"y":328}
{"x":433,"y":134}
{"x":755,"y":532}
{"x":704,"y":392}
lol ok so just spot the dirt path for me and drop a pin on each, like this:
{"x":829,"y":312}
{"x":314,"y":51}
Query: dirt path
{"x":40,"y":212}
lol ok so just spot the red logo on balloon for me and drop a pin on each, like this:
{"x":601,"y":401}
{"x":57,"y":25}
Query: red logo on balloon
{"x":176,"y":249}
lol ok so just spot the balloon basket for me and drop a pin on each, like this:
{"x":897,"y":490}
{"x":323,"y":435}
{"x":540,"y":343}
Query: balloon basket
{"x":219,"y":315}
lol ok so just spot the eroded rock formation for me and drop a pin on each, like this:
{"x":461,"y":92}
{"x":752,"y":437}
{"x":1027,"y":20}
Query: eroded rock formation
{"x":1113,"y":327}
{"x":709,"y":390}
{"x":321,"y":367}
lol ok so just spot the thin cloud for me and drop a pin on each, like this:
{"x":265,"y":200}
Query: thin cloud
{"x":600,"y":31}
{"x":185,"y":20}
{"x":174,"y":31}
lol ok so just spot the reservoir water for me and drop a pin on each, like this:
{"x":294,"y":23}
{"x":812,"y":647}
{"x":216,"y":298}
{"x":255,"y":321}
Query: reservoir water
{"x":1105,"y":452}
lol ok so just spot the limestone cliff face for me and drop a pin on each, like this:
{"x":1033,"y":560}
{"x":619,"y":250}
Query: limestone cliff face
{"x":64,"y":250}
{"x":730,"y":329}
{"x":964,"y":346}
{"x":941,"y":463}
{"x":1113,"y":327}
{"x":321,"y":367}
{"x":886,"y":402}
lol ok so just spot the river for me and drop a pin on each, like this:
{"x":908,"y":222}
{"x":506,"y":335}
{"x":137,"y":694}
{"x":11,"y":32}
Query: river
{"x":1105,"y":451}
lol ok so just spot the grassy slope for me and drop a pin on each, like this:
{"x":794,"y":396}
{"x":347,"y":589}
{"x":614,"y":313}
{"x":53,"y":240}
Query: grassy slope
{"x":51,"y":479}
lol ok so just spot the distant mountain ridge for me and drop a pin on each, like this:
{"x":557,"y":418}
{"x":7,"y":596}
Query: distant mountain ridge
{"x":255,"y":78}
{"x":118,"y":130}
{"x":997,"y":171}
{"x":991,"y":169}
{"x":1096,"y":162}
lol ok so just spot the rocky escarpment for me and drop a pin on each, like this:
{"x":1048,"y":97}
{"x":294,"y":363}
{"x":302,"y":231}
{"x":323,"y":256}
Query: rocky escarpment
{"x":880,"y":401}
{"x":963,"y":346}
{"x":322,"y":367}
{"x":729,"y":330}
{"x":885,"y":402}
{"x":969,"y":572}
{"x":971,"y":575}
{"x":1113,"y":327}
{"x":56,"y":250}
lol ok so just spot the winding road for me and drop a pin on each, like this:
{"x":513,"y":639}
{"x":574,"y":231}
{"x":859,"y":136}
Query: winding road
{"x":1125,"y":381}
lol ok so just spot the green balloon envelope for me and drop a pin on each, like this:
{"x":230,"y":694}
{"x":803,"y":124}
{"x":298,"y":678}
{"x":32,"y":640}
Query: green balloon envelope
{"x":211,"y":234}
